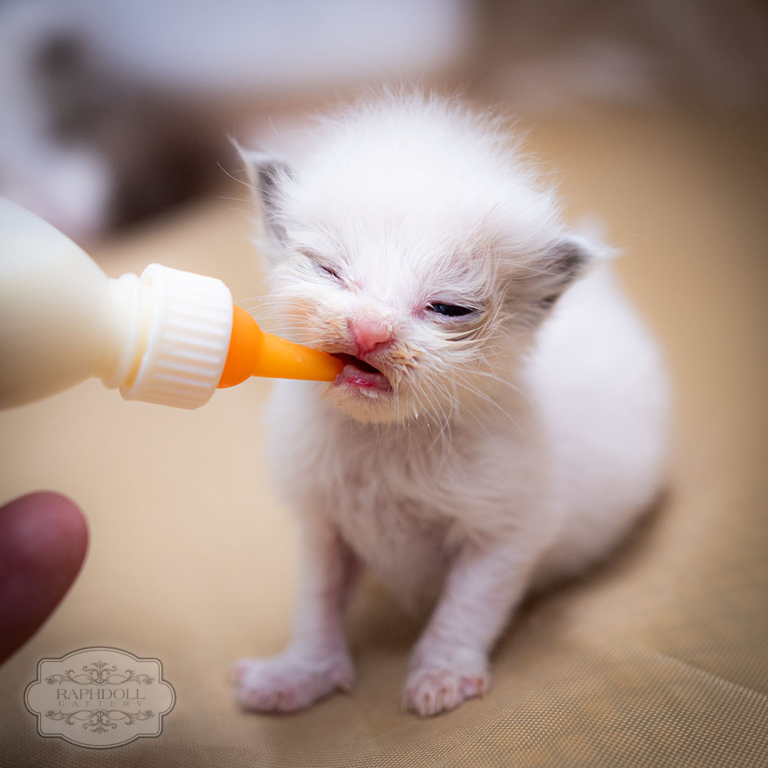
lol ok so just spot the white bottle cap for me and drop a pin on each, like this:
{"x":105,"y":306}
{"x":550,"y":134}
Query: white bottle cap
{"x":188,"y":327}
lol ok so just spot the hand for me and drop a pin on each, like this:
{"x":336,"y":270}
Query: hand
{"x":43,"y":542}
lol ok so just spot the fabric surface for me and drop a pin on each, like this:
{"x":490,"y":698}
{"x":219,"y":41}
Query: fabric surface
{"x":657,"y":658}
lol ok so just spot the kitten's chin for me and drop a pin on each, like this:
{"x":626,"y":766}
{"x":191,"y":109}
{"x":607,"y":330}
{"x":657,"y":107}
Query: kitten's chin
{"x":363,"y":392}
{"x":366,"y":405}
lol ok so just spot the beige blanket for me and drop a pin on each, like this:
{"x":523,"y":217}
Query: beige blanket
{"x":659,"y":658}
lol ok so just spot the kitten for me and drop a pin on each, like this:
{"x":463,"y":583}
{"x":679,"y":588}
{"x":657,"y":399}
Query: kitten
{"x":501,"y":419}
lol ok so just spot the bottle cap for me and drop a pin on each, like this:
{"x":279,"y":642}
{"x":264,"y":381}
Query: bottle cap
{"x":187,"y":326}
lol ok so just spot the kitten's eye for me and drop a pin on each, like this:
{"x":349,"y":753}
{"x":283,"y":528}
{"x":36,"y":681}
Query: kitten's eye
{"x":318,"y":264}
{"x":449,"y":310}
{"x":328,"y":271}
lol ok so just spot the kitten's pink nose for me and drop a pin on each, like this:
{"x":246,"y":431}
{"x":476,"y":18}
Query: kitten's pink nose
{"x":369,"y":334}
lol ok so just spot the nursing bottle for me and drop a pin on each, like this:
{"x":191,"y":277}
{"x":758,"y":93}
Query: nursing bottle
{"x":167,"y":337}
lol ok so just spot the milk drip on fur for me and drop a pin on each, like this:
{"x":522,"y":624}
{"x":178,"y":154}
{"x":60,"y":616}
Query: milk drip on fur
{"x":168,"y":337}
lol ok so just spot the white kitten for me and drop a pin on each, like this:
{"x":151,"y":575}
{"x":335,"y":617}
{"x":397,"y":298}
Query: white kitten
{"x":501,"y":421}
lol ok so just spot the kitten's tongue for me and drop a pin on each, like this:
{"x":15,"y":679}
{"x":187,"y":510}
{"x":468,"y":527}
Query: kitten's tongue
{"x":358,"y":373}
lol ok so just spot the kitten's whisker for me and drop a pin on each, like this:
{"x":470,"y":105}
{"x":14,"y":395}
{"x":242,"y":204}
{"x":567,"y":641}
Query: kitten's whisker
{"x":234,"y":178}
{"x":499,"y":380}
{"x":234,"y":199}
{"x":489,"y":400}
{"x":446,"y":423}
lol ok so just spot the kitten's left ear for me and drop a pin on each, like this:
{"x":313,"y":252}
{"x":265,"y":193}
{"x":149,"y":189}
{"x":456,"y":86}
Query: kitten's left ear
{"x":266,"y":173}
{"x":562,"y":263}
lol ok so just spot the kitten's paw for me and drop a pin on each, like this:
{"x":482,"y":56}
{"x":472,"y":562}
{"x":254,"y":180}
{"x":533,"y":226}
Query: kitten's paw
{"x":289,"y":682}
{"x":429,"y":691}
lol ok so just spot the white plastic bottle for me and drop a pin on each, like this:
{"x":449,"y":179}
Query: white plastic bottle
{"x":165,"y":337}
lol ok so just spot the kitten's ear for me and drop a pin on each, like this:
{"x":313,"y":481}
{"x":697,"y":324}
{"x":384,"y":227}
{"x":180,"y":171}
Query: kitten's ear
{"x":266,"y":173}
{"x":563,"y":262}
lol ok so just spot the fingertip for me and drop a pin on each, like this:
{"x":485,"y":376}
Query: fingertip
{"x":43,"y":544}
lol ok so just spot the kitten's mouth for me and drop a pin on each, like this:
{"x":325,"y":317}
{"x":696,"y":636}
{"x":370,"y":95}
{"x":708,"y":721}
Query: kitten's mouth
{"x":358,"y":373}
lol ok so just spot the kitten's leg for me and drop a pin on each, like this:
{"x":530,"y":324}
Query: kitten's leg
{"x":450,"y":661}
{"x":317,"y":661}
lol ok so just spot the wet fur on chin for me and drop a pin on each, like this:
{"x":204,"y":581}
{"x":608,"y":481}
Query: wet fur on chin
{"x":526,"y":430}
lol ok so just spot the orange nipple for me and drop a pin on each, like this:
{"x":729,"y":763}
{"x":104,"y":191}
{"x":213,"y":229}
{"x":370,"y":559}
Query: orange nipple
{"x":255,"y":353}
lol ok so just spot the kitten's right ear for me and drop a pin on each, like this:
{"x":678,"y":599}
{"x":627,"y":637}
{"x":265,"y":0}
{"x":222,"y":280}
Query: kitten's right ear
{"x":266,"y":173}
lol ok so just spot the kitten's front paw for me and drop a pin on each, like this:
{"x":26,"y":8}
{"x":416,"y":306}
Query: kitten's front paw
{"x":430,"y":691}
{"x":290,"y":682}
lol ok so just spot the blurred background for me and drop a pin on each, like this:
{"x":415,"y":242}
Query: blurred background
{"x":115,"y":124}
{"x":114,"y":111}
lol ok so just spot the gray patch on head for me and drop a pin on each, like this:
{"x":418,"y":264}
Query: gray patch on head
{"x":533,"y":296}
{"x":565,"y":261}
{"x":267,"y":176}
{"x":266,"y":172}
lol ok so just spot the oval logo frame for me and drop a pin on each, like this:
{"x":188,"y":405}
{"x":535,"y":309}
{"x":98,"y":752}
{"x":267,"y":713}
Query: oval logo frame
{"x":100,"y":697}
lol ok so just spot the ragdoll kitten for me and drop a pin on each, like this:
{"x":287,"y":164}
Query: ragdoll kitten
{"x":501,"y":419}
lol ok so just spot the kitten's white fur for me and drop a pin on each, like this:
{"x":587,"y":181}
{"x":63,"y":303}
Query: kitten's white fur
{"x":521,"y":441}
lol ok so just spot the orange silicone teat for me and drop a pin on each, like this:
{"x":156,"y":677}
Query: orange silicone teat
{"x":255,"y":353}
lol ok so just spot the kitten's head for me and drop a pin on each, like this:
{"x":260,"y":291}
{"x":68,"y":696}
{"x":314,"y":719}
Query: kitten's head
{"x":410,"y":237}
